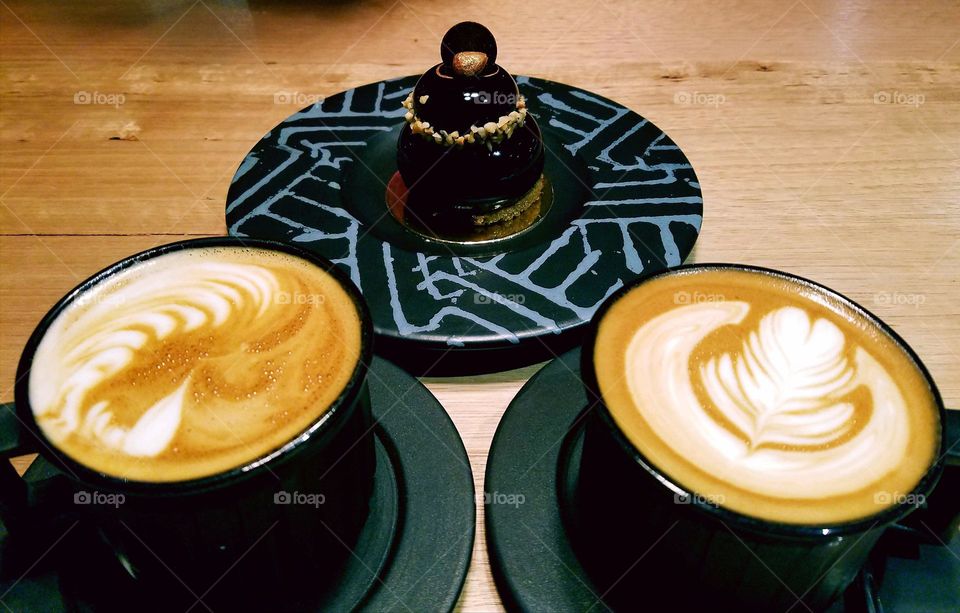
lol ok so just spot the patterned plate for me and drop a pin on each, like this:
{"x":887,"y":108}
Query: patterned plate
{"x":626,"y":202}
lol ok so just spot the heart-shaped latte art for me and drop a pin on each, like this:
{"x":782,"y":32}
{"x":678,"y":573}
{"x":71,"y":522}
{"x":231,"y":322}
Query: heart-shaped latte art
{"x":788,"y":387}
{"x":782,"y":406}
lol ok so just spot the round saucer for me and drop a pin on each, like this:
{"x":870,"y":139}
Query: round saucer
{"x":412,"y":554}
{"x":626,"y":202}
{"x":532,"y":465}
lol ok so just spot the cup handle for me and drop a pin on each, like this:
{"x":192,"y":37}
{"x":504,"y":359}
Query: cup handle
{"x":952,"y":426}
{"x":32,"y":513}
{"x":13,"y":489}
{"x":935,"y":522}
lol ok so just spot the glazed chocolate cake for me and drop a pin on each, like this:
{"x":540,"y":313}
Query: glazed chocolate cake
{"x":470,"y":154}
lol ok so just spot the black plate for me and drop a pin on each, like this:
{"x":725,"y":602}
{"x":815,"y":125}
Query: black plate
{"x":413,"y":552}
{"x":533,"y":459}
{"x":626,"y":201}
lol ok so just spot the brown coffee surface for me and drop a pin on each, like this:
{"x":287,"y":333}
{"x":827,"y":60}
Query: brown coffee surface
{"x":194,"y":362}
{"x":766,"y":396}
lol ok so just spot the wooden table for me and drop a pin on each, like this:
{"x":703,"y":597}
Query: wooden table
{"x":826,"y":136}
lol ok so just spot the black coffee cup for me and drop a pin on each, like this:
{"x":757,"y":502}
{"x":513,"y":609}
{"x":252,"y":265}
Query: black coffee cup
{"x":650,"y":543}
{"x":277,"y":524}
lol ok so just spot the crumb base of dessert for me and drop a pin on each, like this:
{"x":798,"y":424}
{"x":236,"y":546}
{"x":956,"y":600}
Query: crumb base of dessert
{"x":509,"y":212}
{"x":500,"y":224}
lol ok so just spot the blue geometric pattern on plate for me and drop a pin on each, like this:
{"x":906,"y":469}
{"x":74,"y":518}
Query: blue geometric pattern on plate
{"x":644,"y":214}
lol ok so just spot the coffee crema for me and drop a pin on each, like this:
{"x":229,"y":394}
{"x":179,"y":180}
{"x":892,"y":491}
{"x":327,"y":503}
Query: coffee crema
{"x":766,"y":396}
{"x":194,"y":362}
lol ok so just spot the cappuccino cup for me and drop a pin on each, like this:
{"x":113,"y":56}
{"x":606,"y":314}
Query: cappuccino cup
{"x":205,"y":403}
{"x":750,"y":437}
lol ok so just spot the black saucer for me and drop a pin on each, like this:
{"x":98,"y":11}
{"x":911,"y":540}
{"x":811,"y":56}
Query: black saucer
{"x":535,"y":455}
{"x":626,"y":202}
{"x":413,"y":552}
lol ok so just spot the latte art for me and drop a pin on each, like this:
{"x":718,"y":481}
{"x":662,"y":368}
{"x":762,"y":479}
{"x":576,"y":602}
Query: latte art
{"x":193,"y":362}
{"x":789,"y":387}
{"x":787,"y":415}
{"x":771,"y":401}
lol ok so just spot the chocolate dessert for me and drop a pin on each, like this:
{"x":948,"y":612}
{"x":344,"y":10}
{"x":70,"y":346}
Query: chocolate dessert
{"x":470,"y":157}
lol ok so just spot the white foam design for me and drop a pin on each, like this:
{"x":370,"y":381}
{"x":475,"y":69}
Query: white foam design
{"x":785,"y":386}
{"x":99,"y":337}
{"x":785,"y":391}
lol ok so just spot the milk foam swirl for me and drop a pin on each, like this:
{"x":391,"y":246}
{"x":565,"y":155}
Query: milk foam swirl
{"x":95,"y":355}
{"x":786,"y":387}
{"x":790,"y":409}
{"x":187,"y":357}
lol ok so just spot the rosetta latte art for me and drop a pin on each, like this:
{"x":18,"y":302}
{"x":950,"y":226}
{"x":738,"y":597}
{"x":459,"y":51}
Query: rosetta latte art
{"x":775,"y":399}
{"x":791,"y":409}
{"x":193,"y":361}
{"x":787,"y":387}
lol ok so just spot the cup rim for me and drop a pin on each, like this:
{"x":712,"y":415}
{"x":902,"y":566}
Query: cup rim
{"x":881,"y":518}
{"x":292,"y":447}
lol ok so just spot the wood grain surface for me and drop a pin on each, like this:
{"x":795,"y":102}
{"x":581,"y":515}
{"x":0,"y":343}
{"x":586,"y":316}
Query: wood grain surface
{"x":826,"y":136}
